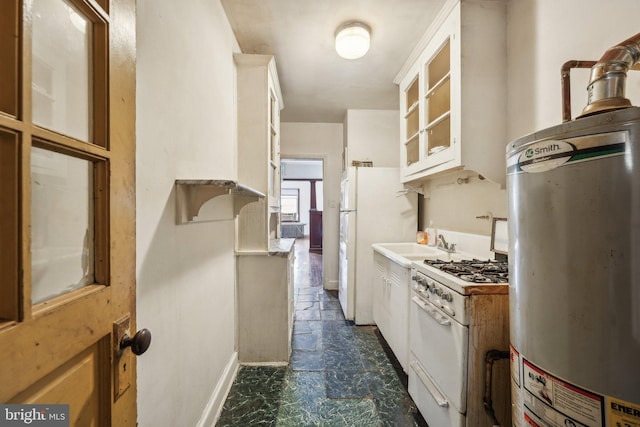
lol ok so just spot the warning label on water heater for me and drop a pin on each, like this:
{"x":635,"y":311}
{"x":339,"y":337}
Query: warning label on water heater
{"x":550,"y":401}
{"x":542,"y":399}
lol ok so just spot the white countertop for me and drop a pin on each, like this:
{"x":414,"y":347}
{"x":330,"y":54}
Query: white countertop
{"x":277,"y":247}
{"x":412,"y":255}
{"x":407,"y":253}
{"x":281,"y":246}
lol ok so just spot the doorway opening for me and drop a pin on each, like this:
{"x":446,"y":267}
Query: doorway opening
{"x":301,"y":202}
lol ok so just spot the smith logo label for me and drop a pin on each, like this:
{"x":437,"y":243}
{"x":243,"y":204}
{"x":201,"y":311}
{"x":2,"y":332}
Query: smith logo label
{"x":545,"y":155}
{"x":542,"y":156}
{"x":34,"y":415}
{"x":548,"y":148}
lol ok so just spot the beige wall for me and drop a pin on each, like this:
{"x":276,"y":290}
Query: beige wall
{"x":321,"y":141}
{"x":541,"y":36}
{"x":372,"y":135}
{"x":453,"y":202}
{"x":185,"y":273}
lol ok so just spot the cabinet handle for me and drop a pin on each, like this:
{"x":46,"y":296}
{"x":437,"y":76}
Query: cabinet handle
{"x":430,"y":386}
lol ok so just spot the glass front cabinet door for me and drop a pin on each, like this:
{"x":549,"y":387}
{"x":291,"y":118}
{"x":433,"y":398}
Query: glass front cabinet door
{"x":453,"y":95}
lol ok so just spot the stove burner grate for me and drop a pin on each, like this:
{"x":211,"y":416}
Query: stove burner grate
{"x":474,"y":270}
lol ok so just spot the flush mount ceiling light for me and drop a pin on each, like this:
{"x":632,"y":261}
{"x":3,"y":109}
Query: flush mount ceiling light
{"x":352,"y":40}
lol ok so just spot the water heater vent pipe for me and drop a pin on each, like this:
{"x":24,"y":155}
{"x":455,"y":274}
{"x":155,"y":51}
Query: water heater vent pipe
{"x":608,"y":77}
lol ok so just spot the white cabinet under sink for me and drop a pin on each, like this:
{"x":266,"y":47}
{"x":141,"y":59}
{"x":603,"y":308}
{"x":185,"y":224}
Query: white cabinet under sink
{"x":453,"y":94}
{"x":391,"y":304}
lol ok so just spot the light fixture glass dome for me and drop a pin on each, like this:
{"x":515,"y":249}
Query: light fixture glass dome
{"x":352,"y":40}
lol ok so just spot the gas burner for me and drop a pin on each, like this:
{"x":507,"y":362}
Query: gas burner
{"x":474,"y":270}
{"x":498,"y":268}
{"x":452,"y":268}
{"x":476,"y":278}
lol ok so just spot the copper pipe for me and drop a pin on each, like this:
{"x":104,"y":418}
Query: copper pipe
{"x":608,"y":77}
{"x":566,"y":84}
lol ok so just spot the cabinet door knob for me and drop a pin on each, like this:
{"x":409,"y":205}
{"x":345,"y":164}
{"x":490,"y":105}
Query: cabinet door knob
{"x":139,"y":343}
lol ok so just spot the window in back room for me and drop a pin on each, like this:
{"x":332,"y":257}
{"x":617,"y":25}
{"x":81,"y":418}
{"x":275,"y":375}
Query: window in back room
{"x":290,"y":205}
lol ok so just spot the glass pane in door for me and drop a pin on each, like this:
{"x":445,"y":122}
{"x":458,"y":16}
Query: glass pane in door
{"x":62,"y":232}
{"x":61,"y":68}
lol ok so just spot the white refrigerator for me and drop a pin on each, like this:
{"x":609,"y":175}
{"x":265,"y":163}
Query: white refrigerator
{"x":374,"y":208}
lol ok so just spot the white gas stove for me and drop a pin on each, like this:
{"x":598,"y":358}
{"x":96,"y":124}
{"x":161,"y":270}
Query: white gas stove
{"x":459,"y":311}
{"x":446,"y":283}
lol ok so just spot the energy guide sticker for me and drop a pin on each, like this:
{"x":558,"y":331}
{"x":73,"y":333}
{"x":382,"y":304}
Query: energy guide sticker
{"x":623,"y":414}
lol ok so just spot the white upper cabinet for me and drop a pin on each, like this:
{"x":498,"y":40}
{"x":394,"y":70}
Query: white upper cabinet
{"x":259,"y":105}
{"x":453,"y":94}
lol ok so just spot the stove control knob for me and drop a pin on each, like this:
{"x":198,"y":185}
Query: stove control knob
{"x":436,"y":291}
{"x":447,"y":296}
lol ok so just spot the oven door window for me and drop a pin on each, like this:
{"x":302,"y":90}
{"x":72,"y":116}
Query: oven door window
{"x":440,"y":345}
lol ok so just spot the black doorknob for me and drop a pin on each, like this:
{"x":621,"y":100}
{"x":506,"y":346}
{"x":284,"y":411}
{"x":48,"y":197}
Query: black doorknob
{"x":139,"y":343}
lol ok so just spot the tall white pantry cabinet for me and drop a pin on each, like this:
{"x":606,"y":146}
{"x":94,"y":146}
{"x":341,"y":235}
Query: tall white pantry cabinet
{"x":264,"y":261}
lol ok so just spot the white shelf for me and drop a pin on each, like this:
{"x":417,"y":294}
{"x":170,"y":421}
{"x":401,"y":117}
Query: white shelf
{"x":438,"y":84}
{"x":412,"y":108}
{"x":191,"y":194}
{"x":435,"y":122}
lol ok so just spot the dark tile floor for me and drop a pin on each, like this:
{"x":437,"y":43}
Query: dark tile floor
{"x":339,"y":373}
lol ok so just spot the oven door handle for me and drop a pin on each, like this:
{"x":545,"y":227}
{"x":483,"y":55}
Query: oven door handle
{"x":429,"y":385}
{"x":431,"y":312}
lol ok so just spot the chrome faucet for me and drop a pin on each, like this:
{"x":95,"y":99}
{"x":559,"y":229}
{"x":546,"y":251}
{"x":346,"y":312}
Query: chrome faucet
{"x":447,"y":247}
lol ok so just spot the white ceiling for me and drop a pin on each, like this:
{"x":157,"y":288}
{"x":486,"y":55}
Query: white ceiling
{"x":317,"y":85}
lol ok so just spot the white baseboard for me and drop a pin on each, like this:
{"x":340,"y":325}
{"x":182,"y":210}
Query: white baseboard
{"x":213,"y":409}
{"x":331,"y":285}
{"x":274,"y":364}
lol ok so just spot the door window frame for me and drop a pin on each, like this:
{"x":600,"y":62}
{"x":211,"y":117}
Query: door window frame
{"x":18,"y":134}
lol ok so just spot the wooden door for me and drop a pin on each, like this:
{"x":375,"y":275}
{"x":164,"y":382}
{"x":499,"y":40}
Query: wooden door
{"x":315,"y":231}
{"x":67,"y":206}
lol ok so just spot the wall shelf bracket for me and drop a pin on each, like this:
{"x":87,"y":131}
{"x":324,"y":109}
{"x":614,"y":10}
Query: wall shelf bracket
{"x":191,"y":194}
